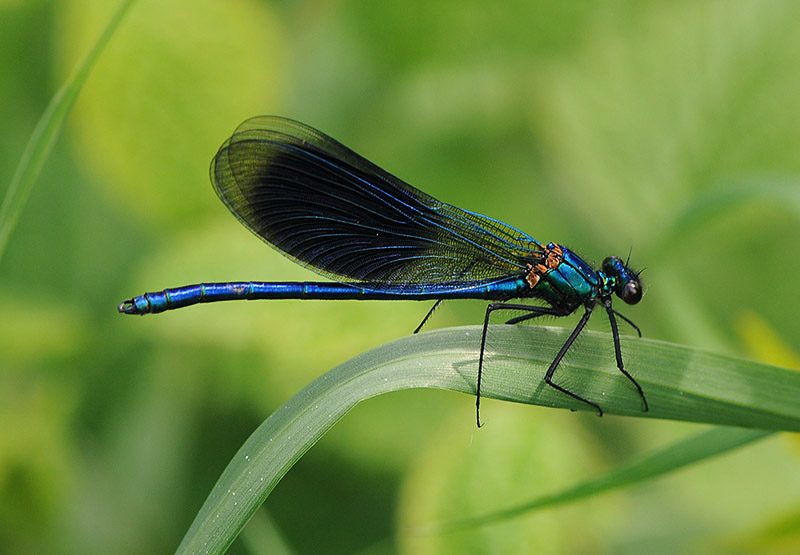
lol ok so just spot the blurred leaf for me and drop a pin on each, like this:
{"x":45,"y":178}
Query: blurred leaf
{"x":264,"y":536}
{"x":171,"y":88}
{"x":32,"y":330}
{"x":37,"y":459}
{"x":678,"y":455}
{"x":691,"y":95}
{"x":48,"y":130}
{"x":783,"y":194}
{"x":464,"y":471}
{"x":781,"y":535}
{"x":681,"y":383}
{"x":764,"y":342}
{"x":402,"y":34}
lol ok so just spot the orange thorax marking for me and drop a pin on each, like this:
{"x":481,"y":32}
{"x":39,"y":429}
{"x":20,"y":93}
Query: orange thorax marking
{"x":552,"y":258}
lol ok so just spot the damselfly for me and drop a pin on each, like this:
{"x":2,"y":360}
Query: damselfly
{"x":327,"y":208}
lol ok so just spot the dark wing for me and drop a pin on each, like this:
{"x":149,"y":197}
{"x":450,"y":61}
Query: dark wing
{"x":328,"y":208}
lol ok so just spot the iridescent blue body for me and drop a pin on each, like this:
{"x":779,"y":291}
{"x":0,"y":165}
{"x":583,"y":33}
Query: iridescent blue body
{"x":377,"y":237}
{"x":151,"y":303}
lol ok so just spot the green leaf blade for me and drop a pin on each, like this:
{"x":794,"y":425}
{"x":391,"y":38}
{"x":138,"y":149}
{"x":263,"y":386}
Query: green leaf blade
{"x":48,"y":130}
{"x":681,"y":383}
{"x":696,"y":448}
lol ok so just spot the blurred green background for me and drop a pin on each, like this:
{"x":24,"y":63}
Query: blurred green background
{"x":670,"y":130}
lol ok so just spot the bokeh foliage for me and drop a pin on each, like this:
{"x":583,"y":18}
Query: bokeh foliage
{"x":670,"y":129}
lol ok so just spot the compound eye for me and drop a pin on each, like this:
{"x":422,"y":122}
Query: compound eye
{"x":631,"y":292}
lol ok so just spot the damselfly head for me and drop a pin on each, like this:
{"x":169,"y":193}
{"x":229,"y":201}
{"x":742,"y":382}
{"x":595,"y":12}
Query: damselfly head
{"x":627,"y":284}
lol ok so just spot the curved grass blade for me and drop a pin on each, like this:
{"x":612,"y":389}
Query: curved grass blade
{"x":47,"y":131}
{"x":683,"y":383}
